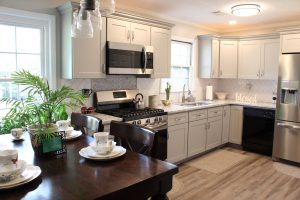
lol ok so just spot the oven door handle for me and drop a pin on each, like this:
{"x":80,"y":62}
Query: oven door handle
{"x":288,"y":126}
{"x":145,"y":60}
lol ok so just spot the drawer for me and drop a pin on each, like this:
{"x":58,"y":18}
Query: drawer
{"x":197,"y":115}
{"x":177,"y":118}
{"x":213,"y":112}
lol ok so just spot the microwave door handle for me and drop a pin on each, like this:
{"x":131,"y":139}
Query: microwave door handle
{"x":146,"y":59}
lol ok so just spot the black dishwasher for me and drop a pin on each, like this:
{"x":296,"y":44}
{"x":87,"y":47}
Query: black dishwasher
{"x":258,"y":130}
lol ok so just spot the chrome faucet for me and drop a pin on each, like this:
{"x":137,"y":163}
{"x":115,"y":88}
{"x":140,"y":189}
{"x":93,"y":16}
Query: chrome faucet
{"x":190,"y":97}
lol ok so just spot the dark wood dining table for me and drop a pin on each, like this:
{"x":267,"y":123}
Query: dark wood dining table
{"x":70,"y":176}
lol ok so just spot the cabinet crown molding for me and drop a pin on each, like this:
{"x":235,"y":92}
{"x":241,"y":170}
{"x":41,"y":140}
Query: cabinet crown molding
{"x":241,"y":38}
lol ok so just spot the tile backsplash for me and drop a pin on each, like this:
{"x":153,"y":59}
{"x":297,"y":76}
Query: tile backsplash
{"x":263,"y":89}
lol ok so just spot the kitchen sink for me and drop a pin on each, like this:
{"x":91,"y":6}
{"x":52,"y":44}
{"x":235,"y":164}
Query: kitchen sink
{"x":192,"y":104}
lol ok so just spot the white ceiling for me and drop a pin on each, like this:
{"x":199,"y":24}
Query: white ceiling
{"x":274,"y":13}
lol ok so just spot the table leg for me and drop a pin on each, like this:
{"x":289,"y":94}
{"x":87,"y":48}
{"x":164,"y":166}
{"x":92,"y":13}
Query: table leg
{"x":165,"y":186}
{"x":160,"y":197}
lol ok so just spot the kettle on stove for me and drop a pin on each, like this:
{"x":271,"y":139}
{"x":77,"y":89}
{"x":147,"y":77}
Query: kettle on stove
{"x":138,"y":101}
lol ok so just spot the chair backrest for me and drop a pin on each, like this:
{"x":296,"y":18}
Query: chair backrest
{"x":87,"y":124}
{"x":132,"y":137}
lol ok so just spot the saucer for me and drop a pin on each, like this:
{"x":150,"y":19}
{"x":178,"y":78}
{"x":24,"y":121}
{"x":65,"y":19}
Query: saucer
{"x":89,"y":153}
{"x":30,"y":173}
{"x":73,"y":135}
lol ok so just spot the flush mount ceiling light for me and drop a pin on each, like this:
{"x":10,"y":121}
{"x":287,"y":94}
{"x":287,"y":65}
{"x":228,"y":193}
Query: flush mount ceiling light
{"x":245,"y":10}
{"x":88,"y":18}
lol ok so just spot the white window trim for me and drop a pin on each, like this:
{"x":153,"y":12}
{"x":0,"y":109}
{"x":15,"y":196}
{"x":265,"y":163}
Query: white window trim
{"x":191,"y":78}
{"x":47,"y":22}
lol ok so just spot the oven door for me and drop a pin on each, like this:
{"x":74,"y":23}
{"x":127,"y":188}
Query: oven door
{"x":122,"y":58}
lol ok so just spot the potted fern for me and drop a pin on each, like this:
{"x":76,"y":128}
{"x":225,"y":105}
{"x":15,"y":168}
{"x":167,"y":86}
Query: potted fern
{"x":167,"y":101}
{"x":40,"y":110}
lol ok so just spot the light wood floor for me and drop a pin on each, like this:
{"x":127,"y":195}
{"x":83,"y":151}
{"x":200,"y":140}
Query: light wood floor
{"x":253,"y":178}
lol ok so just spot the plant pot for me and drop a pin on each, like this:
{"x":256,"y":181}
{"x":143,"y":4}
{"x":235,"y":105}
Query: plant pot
{"x":45,"y":145}
{"x":166,"y":102}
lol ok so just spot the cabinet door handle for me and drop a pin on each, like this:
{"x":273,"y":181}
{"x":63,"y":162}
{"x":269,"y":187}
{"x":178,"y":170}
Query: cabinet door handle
{"x":103,"y":68}
{"x":221,"y":72}
{"x":258,"y":73}
{"x":128,"y":35}
{"x":132,"y":36}
{"x":262,"y":73}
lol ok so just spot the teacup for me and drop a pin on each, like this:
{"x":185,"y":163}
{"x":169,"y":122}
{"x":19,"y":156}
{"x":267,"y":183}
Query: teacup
{"x":69,"y":131}
{"x":8,"y":156}
{"x":103,"y":149}
{"x":101,"y":138}
{"x":63,"y":124}
{"x":12,"y":171}
{"x":17,"y":132}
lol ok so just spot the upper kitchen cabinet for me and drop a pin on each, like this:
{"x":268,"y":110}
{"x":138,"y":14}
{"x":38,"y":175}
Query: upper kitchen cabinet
{"x":228,"y":59}
{"x":161,"y":42}
{"x":270,"y":61}
{"x":77,"y":59}
{"x":290,"y":43}
{"x":258,"y":59}
{"x":208,"y":56}
{"x":127,"y":32}
{"x":249,"y":59}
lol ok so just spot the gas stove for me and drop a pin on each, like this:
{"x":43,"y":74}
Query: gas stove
{"x":120,"y":104}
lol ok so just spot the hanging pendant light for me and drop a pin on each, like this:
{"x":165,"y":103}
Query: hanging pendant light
{"x":96,"y":18}
{"x":88,"y":18}
{"x":107,"y":7}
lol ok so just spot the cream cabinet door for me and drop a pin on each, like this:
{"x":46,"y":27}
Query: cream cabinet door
{"x":250,"y":57}
{"x":270,"y":61}
{"x":236,"y":124}
{"x":118,"y":30}
{"x":161,"y":42}
{"x":290,"y":43}
{"x":85,"y":64}
{"x":197,"y":137}
{"x":215,"y":58}
{"x":214,"y":132}
{"x":228,"y":59}
{"x":140,"y":34}
{"x":226,"y":124}
{"x":177,"y":142}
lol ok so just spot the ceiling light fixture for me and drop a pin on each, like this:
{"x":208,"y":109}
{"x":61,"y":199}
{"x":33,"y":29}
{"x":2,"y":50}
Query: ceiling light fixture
{"x":88,"y":18}
{"x":245,"y":10}
{"x":232,"y":22}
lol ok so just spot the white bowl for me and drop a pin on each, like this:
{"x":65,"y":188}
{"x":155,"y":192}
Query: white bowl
{"x":221,"y":95}
{"x":12,"y":171}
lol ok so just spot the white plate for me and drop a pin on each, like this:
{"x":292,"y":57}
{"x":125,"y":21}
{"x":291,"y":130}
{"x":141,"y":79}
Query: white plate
{"x":31,"y":172}
{"x":73,"y":135}
{"x":90,"y":154}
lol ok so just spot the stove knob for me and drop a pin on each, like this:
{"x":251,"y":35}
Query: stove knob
{"x":134,"y":122}
{"x":139,"y":122}
{"x":156,"y":119}
{"x":160,"y":119}
{"x":148,"y":121}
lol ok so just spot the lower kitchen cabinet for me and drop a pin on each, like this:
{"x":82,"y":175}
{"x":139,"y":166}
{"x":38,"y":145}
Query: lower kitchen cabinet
{"x":177,"y":142}
{"x":236,"y":124}
{"x":197,"y":137}
{"x":226,"y":124}
{"x":214,"y":132}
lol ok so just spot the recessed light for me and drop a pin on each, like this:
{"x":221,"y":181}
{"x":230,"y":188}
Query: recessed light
{"x":245,"y":10}
{"x":232,"y":22}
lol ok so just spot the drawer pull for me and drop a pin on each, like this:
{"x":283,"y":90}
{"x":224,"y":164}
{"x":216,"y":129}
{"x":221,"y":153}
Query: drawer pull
{"x":177,"y":119}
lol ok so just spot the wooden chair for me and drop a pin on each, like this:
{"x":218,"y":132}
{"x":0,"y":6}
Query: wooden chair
{"x":132,"y":137}
{"x":86,"y":124}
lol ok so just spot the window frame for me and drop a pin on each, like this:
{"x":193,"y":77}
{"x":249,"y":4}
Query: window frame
{"x":191,"y":66}
{"x":47,"y":24}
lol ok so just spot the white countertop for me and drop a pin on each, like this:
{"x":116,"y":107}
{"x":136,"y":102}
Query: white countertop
{"x":176,"y":108}
{"x":106,"y":119}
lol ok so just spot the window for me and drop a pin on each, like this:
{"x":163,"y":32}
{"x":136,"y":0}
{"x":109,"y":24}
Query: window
{"x":181,"y":61}
{"x":26,"y":42}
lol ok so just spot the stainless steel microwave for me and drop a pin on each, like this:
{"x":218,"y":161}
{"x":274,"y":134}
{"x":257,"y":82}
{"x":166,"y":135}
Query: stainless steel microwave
{"x":123,"y":58}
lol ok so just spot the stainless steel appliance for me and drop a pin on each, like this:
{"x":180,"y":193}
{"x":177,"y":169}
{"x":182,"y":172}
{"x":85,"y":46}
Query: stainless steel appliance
{"x":121,"y":104}
{"x":123,"y":58}
{"x":258,"y":130}
{"x":287,"y":125}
